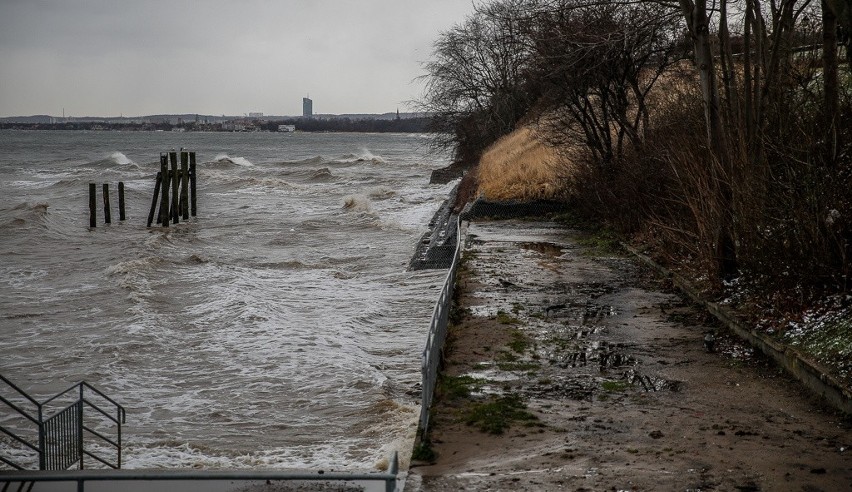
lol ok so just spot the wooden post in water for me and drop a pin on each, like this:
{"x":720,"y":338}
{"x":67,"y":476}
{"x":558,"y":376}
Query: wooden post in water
{"x":93,"y":214}
{"x":121,"y":200}
{"x":192,"y":182}
{"x":164,"y":203}
{"x":184,"y":185}
{"x":174,"y":204}
{"x":107,"y":216}
{"x":154,"y":200}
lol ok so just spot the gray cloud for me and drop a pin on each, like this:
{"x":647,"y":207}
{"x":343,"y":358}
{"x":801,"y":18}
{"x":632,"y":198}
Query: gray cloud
{"x":107,"y":57}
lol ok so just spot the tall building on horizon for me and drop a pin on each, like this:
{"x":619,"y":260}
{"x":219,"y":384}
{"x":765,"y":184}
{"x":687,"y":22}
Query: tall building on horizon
{"x":307,"y":107}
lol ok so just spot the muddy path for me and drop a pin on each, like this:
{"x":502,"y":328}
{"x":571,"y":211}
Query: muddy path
{"x":572,"y":369}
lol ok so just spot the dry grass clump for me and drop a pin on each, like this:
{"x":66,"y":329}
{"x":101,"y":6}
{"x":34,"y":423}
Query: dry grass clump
{"x":520,"y":166}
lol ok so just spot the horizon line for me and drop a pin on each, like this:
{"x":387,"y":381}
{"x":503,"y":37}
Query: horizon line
{"x":244,"y":115}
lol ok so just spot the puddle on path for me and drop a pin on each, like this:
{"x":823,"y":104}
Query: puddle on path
{"x":650,"y":383}
{"x":567,"y":315}
{"x":547,"y":249}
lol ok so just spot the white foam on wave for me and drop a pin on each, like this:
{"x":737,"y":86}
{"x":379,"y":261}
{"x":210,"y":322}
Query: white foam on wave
{"x":382,"y":192}
{"x":358,"y":203}
{"x":418,"y":207}
{"x":120,"y":159}
{"x":367,"y":155}
{"x":403,"y":420}
{"x":363,"y":155}
{"x":187,"y":456}
{"x":132,"y":276}
{"x":32,"y":185}
{"x":134,"y":266}
{"x":18,"y":277}
{"x":240,"y":161}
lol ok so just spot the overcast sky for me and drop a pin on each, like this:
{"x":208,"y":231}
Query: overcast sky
{"x":139,"y":57}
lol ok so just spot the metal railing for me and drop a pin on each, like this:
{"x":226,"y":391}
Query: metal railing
{"x":61,"y":435}
{"x":386,"y":481}
{"x":434,"y":350}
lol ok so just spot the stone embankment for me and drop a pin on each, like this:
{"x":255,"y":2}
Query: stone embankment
{"x":570,"y":367}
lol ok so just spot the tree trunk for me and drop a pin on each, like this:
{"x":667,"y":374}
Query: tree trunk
{"x":829,"y":75}
{"x":696,"y":17}
{"x":698,"y":24}
{"x":729,"y":77}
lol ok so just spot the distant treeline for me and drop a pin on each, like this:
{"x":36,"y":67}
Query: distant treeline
{"x":406,"y":125}
{"x":403,"y":125}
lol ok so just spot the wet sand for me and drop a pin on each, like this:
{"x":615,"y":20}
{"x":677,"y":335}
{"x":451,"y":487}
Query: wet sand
{"x":614,"y":370}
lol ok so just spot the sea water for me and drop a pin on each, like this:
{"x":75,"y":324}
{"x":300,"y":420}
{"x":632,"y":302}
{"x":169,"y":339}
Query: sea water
{"x":277,"y":329}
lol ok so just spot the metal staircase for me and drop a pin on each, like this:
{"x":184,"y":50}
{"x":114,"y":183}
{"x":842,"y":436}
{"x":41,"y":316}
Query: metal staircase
{"x":41,"y":441}
{"x":60,"y":432}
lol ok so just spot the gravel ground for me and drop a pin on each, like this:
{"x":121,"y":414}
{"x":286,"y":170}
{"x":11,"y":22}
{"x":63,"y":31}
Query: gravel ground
{"x":610,"y":383}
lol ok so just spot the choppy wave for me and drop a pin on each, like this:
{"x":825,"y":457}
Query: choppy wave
{"x":29,"y":184}
{"x":135,"y":266}
{"x":268,"y":182}
{"x":114,"y":161}
{"x":238,"y":181}
{"x":239,"y":161}
{"x":359,"y":203}
{"x":285,"y":265}
{"x":381,"y":193}
{"x":18,"y":277}
{"x":277,"y":329}
{"x":310,"y":161}
{"x":39,"y":208}
{"x":310,"y":175}
{"x":321,"y":175}
{"x":25,"y":214}
{"x":363,"y":155}
{"x":64,"y":184}
{"x":120,"y":159}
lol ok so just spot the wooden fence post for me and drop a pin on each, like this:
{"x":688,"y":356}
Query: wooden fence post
{"x":164,"y":203}
{"x":192,"y":182}
{"x":154,"y":200}
{"x":121,"y":215}
{"x":175,"y":212}
{"x":107,"y":216}
{"x":93,"y":214}
{"x":184,"y":185}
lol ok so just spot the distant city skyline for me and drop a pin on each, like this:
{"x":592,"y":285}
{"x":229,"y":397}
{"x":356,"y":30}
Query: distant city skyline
{"x":112,"y":58}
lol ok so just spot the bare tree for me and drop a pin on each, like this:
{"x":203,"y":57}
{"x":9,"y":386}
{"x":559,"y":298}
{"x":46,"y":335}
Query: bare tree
{"x":474,"y":83}
{"x":595,"y":65}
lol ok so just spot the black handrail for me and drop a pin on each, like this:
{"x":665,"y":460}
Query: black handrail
{"x":19,"y":390}
{"x":19,"y":410}
{"x":12,"y":464}
{"x":17,"y":438}
{"x":389,"y":477}
{"x":65,"y":433}
{"x":37,"y":447}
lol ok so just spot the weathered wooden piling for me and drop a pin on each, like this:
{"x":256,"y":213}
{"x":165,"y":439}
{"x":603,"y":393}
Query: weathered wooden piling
{"x":93,"y":214}
{"x":121,"y":215}
{"x":184,"y":185}
{"x":175,"y":212}
{"x":164,"y":203}
{"x":154,"y":199}
{"x":192,"y":182}
{"x":107,"y":216}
